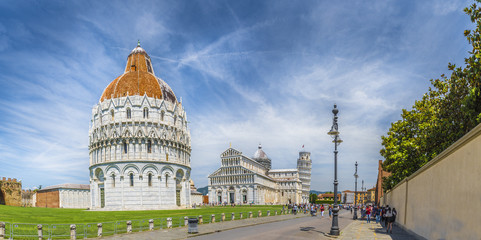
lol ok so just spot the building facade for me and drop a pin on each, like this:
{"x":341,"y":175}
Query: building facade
{"x":347,"y":197}
{"x":244,"y":180}
{"x":64,"y":196}
{"x":139,"y":142}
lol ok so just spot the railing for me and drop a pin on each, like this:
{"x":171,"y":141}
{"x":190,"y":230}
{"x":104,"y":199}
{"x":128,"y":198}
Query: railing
{"x":92,"y":230}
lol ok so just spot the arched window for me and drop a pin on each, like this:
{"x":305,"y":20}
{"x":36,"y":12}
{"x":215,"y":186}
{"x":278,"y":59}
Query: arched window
{"x":175,"y":120}
{"x":146,"y":113}
{"x":113,"y":180}
{"x":166,"y":180}
{"x":112,"y":114}
{"x":131,"y":179}
{"x":150,"y":179}
{"x":125,"y":147}
{"x":149,"y":146}
{"x":162,"y":115}
{"x":129,"y":113}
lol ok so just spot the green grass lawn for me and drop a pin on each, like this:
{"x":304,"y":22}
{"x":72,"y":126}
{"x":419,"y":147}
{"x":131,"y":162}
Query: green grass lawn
{"x":70,"y":216}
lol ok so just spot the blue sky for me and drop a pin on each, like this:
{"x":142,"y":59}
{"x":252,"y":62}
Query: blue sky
{"x":248,"y":72}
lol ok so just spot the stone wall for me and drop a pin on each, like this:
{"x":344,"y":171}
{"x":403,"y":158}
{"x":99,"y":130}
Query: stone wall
{"x":10,"y":192}
{"x":442,"y":199}
{"x":28,"y":198}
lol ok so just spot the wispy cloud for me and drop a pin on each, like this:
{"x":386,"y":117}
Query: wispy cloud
{"x":248,"y":73}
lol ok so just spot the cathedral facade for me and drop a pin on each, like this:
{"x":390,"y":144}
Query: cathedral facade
{"x":244,"y":180}
{"x":139,"y":143}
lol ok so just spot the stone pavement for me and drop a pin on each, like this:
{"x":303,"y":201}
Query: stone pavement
{"x":359,"y":229}
{"x":181,"y":232}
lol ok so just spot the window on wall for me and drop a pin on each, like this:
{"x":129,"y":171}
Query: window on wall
{"x":166,"y":180}
{"x":146,"y":113}
{"x":129,"y":113}
{"x":149,"y":146}
{"x":112,"y":114}
{"x":175,"y":119}
{"x":125,"y":147}
{"x":131,"y":179}
{"x":162,"y":115}
{"x":150,"y":179}
{"x":113,"y":180}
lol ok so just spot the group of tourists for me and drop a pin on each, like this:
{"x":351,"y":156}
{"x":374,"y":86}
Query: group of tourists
{"x":314,"y":209}
{"x":382,"y":215}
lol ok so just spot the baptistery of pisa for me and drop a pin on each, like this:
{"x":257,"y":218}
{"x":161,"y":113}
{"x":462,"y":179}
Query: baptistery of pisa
{"x":139,"y":142}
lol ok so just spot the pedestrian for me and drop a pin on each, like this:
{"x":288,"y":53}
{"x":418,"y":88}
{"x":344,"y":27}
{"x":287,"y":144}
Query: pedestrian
{"x":330,"y":211}
{"x":368,"y":214}
{"x":378,"y":214}
{"x":390,"y":219}
{"x":322,"y":210}
{"x":350,"y":208}
{"x":385,"y":218}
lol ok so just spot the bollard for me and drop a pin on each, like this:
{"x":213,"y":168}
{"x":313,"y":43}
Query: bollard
{"x":151,"y":224}
{"x":250,"y":214}
{"x":186,"y":221}
{"x":232,"y":218}
{"x":73,"y":232}
{"x":40,"y":232}
{"x":268,"y":213}
{"x":129,"y":226}
{"x":259,"y":214}
{"x":240,"y":215}
{"x":200,"y":219}
{"x":222,"y":217}
{"x":212,"y":218}
{"x":2,"y":230}
{"x":99,"y":231}
{"x":169,"y":222}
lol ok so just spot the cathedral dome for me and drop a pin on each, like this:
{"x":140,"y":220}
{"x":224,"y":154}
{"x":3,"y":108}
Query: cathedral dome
{"x":260,"y":154}
{"x":138,"y":79}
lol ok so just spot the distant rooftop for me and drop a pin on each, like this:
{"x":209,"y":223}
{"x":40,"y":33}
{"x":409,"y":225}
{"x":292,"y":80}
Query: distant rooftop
{"x":68,"y":186}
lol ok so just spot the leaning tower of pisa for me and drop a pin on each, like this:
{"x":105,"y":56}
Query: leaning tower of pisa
{"x":304,"y":166}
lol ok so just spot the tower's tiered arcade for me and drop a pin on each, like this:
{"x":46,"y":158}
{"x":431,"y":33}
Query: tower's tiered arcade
{"x":139,"y":142}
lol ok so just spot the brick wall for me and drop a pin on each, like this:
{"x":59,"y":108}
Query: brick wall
{"x":48,"y":198}
{"x":10,"y":192}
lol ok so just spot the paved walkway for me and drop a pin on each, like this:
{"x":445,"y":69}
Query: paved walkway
{"x":359,"y":229}
{"x":181,"y":232}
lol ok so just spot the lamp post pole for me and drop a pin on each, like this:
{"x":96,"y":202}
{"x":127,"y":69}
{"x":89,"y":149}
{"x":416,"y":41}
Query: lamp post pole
{"x":337,"y":140}
{"x":355,"y":195}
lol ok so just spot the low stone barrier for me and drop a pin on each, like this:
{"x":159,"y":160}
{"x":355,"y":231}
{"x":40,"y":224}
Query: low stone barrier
{"x":92,"y":230}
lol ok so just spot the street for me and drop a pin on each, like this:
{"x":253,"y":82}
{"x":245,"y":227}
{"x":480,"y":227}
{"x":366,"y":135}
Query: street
{"x":299,"y":228}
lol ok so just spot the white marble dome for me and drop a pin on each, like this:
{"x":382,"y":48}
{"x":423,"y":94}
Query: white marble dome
{"x":139,"y":143}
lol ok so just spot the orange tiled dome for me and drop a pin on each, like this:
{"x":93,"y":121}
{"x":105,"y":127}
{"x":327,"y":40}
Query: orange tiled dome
{"x":138,"y":79}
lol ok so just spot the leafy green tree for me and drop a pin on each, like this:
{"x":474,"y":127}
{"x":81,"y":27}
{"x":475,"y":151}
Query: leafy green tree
{"x":450,"y":109}
{"x":312,"y":198}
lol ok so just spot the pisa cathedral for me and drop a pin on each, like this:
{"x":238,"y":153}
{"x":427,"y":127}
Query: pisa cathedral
{"x":244,"y":180}
{"x":139,"y":143}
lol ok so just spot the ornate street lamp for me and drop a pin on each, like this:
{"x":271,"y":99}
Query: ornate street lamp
{"x":355,"y":195}
{"x":337,"y":140}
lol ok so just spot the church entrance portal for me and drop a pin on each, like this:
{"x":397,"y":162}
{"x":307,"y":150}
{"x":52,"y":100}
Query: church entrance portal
{"x":231,"y":195}
{"x":244,"y":196}
{"x":178,"y":186}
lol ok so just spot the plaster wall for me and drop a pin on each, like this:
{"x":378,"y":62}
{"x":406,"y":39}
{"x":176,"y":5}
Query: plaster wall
{"x":442,"y":200}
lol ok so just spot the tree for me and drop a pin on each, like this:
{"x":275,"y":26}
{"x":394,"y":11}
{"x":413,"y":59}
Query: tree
{"x":449,"y":110}
{"x":312,"y":198}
